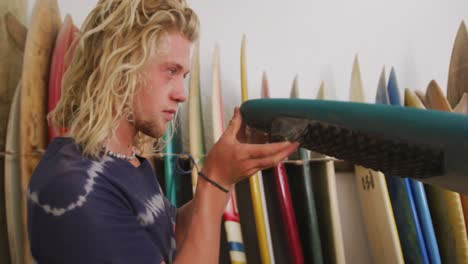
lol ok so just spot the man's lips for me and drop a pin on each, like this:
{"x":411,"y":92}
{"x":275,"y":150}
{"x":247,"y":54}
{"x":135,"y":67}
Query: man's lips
{"x":169,"y":114}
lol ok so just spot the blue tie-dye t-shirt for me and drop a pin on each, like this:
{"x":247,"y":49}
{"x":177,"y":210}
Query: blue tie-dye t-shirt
{"x":88,"y":211}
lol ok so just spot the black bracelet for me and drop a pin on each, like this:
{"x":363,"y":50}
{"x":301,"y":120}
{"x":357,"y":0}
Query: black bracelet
{"x":213,"y":182}
{"x":178,"y":169}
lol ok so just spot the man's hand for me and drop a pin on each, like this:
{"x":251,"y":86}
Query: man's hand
{"x":231,"y":160}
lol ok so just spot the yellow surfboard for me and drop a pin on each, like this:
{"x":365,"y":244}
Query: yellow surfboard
{"x":462,"y":108}
{"x":446,"y":208}
{"x":256,"y":185}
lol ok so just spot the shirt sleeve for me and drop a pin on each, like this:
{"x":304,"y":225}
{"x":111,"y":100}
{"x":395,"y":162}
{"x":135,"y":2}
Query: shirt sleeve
{"x":103,"y":229}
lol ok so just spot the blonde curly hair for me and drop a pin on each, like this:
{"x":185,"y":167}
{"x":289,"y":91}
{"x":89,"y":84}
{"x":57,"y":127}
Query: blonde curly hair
{"x":117,"y":39}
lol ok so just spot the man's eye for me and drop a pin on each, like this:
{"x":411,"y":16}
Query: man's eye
{"x":172,"y":71}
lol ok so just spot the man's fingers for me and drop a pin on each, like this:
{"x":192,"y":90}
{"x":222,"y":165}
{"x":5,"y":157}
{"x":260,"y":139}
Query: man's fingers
{"x":254,"y":165}
{"x":256,"y":151}
{"x":271,"y":161}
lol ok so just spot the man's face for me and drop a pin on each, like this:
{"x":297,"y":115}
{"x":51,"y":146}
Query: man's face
{"x":156,"y":103}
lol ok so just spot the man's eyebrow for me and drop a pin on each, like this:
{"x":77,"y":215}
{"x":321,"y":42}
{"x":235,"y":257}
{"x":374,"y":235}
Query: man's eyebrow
{"x":177,"y":65}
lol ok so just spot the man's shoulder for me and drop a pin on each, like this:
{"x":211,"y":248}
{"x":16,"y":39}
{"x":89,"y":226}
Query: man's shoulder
{"x":63,"y":177}
{"x":62,"y":160}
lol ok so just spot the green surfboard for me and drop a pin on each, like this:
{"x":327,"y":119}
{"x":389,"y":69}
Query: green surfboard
{"x":304,"y":203}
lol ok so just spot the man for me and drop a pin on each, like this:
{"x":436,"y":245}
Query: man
{"x":91,"y":198}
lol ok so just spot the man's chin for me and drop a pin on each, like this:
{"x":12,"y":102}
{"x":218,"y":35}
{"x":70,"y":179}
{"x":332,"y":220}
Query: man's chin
{"x":151,"y":132}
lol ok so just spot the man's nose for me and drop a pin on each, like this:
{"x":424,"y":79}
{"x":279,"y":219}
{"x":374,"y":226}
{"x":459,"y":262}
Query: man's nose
{"x":179,"y":93}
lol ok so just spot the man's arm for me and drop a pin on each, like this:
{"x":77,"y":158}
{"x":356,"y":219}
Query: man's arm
{"x":229,"y":161}
{"x":197,"y":225}
{"x":182,"y":221}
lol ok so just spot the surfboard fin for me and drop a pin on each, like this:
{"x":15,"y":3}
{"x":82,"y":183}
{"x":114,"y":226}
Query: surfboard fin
{"x":392,"y":157}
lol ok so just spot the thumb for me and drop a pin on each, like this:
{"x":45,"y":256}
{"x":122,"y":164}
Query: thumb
{"x":235,"y":124}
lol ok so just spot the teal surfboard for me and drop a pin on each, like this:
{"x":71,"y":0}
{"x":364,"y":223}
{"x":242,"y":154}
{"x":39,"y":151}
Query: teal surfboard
{"x":172,"y":148}
{"x":405,"y":142}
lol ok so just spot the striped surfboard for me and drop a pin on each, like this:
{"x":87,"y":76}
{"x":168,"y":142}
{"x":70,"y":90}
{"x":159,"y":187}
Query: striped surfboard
{"x":231,"y":214}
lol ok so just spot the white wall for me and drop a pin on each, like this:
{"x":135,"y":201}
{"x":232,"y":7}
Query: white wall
{"x":318,"y":40}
